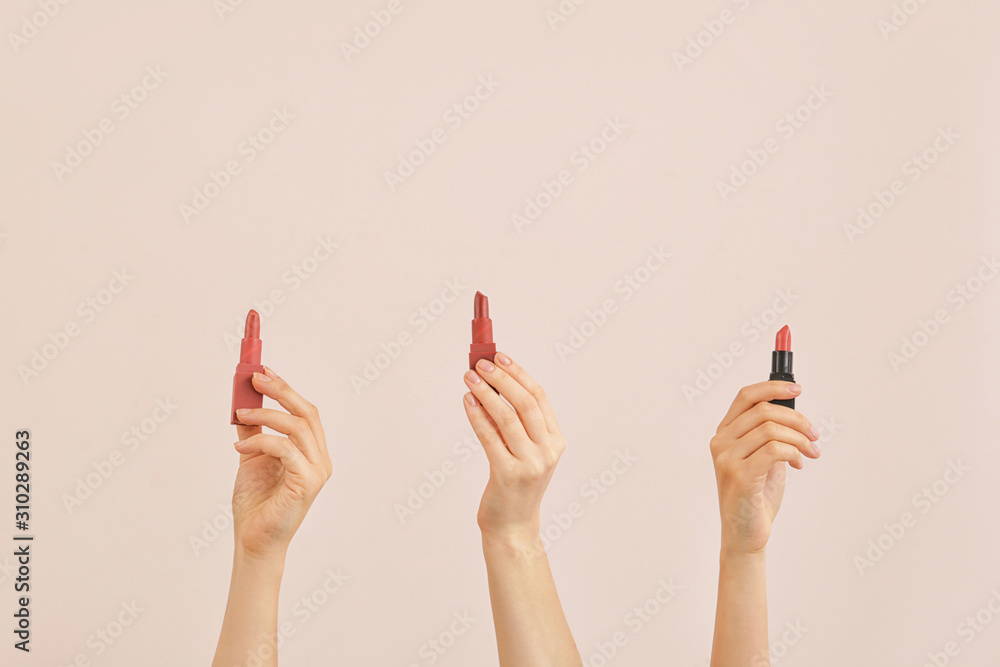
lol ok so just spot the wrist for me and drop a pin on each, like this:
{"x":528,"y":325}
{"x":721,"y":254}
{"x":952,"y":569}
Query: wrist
{"x":517,"y":540}
{"x":738,"y":554}
{"x":269,"y":565}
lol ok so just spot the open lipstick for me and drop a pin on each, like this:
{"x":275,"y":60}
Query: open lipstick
{"x":482,"y":346}
{"x":781,"y":363}
{"x":244,"y":395}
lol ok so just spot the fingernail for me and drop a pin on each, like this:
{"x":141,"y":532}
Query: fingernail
{"x":485,"y":366}
{"x":470,"y":399}
{"x":816,"y":448}
{"x":473,"y":377}
{"x":242,"y":411}
{"x":260,"y":377}
{"x":503,"y":358}
{"x":814,"y":432}
{"x":240,"y":444}
{"x":794,"y":388}
{"x":270,"y":373}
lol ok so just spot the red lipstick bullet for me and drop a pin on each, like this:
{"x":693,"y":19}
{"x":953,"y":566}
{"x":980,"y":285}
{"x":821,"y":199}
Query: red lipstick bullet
{"x":482,"y":346}
{"x":781,"y":363}
{"x":244,"y":395}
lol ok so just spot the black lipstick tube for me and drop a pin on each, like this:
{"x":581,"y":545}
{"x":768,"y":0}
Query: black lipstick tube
{"x":781,"y":369}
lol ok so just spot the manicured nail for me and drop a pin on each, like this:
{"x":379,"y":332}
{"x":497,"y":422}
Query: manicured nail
{"x":242,"y":411}
{"x":816,"y":448}
{"x":270,"y":373}
{"x":241,"y":444}
{"x":485,"y":366}
{"x":470,"y":399}
{"x":794,"y":388}
{"x":260,"y":377}
{"x":503,"y":358}
{"x":473,"y":377}
{"x":814,"y":432}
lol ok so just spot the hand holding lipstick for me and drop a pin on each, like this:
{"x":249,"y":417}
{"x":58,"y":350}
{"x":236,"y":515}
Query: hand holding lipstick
{"x":278,"y":476}
{"x":523,"y":444}
{"x":276,"y":483}
{"x":750,"y":448}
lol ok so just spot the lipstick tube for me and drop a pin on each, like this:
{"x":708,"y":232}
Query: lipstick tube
{"x":781,"y":363}
{"x":482,"y":346}
{"x":244,"y":394}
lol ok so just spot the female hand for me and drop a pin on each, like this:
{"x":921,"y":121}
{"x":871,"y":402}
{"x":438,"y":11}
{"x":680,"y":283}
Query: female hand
{"x":523,"y":445}
{"x":278,"y":476}
{"x":750,"y":449}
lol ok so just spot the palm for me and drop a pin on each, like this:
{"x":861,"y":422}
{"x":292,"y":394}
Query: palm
{"x":763,"y":505}
{"x":262,"y":499}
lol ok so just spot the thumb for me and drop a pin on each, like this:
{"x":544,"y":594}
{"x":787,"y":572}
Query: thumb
{"x":243,"y":431}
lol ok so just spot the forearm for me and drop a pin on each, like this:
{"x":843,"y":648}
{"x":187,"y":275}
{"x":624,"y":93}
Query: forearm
{"x":530,"y":625}
{"x":251,"y":620}
{"x":741,"y":612}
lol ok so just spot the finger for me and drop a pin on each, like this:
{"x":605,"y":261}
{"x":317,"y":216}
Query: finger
{"x":761,"y":461}
{"x":297,"y":429}
{"x":765,"y":412}
{"x":772,"y":432}
{"x":514,"y":369}
{"x":507,"y":422}
{"x":271,"y":385}
{"x":486,"y":431}
{"x":280,"y":448}
{"x":753,"y":394}
{"x":243,"y":431}
{"x":524,"y":403}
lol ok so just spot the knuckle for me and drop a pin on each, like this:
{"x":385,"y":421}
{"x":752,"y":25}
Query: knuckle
{"x":533,"y":471}
{"x":552,"y":458}
{"x":724,"y":470}
{"x":507,"y":419}
{"x":301,"y":427}
{"x":528,"y":406}
{"x":287,"y":448}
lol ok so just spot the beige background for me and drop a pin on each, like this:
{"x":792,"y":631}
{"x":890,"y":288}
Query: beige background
{"x":164,"y":337}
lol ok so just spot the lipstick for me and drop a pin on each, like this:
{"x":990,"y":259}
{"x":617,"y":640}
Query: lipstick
{"x":482,"y":346}
{"x":781,"y":363}
{"x":244,"y":395}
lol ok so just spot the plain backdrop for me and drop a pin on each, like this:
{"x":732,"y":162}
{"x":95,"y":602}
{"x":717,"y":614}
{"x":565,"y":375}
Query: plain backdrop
{"x":608,"y":127}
